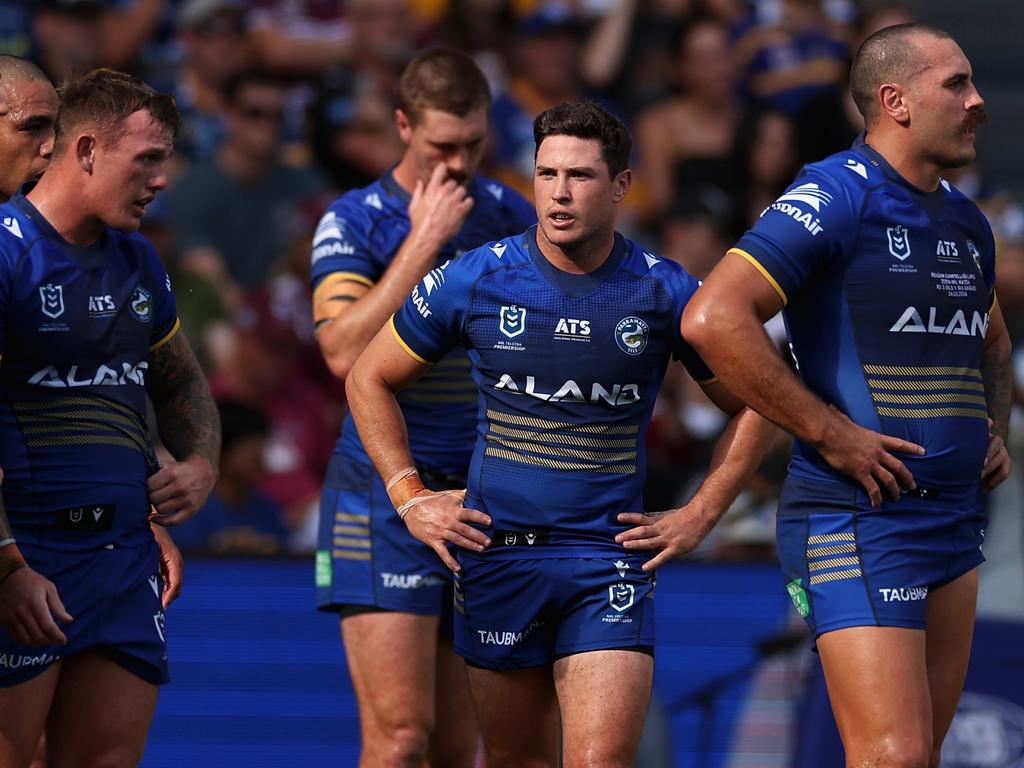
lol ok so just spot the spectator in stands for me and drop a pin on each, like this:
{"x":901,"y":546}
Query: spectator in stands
{"x":215,"y":49}
{"x":68,"y":36}
{"x":766,"y":158}
{"x":686,"y":140}
{"x":237,"y":518}
{"x":231,"y":213}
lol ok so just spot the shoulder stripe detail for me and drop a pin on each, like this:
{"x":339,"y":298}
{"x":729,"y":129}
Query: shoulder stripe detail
{"x":168,"y":337}
{"x":403,"y":345}
{"x":764,"y":272}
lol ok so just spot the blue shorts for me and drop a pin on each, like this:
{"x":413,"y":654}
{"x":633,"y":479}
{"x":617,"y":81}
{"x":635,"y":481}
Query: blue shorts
{"x":517,"y":614}
{"x":365,"y":554}
{"x":848,"y":565}
{"x":114,"y":596}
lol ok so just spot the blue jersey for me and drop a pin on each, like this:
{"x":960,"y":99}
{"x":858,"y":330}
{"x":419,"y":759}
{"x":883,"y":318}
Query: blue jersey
{"x":356,"y":240}
{"x":77,"y":325}
{"x":887,"y":292}
{"x":567,"y":368}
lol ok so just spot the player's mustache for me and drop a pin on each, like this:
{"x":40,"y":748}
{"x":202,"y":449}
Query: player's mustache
{"x":975,"y":118}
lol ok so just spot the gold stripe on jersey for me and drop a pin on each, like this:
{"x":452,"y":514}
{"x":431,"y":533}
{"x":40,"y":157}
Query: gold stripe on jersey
{"x":539,"y":461}
{"x":592,"y":429}
{"x":835,"y":562}
{"x":840,"y":549}
{"x":951,"y":397}
{"x":932,"y":413}
{"x":348,"y":517}
{"x":76,"y":400}
{"x":910,"y":384}
{"x":352,"y":530}
{"x":825,"y":538}
{"x":565,"y":453}
{"x":764,"y":272}
{"x":60,"y":441}
{"x":820,"y":578}
{"x":345,"y":541}
{"x":348,"y":554}
{"x":168,"y":336}
{"x":588,"y":442}
{"x":406,"y":347}
{"x":921,"y":370}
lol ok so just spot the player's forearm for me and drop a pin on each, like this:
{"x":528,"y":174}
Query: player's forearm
{"x":185,"y":412}
{"x":738,"y":454}
{"x":997,"y":373}
{"x":347,"y":334}
{"x":379,"y":421}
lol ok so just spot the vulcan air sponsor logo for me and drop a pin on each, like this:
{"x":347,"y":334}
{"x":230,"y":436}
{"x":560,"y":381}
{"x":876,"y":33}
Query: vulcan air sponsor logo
{"x":571,"y":392}
{"x":796,"y":202}
{"x":903,"y":594}
{"x":141,"y":304}
{"x":435,"y":278}
{"x":18,"y":661}
{"x":571,"y":329}
{"x":410,"y":580}
{"x":505,"y":637}
{"x":912,"y":321}
{"x":329,"y":239}
{"x":420,"y":302}
{"x":104,"y":375}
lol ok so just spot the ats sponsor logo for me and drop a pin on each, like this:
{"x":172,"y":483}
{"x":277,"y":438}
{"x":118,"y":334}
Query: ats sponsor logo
{"x":410,"y":580}
{"x":102,"y":306}
{"x":571,"y":392}
{"x":571,"y":329}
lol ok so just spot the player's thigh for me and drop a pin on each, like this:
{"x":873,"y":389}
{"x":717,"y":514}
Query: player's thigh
{"x":518,"y":715}
{"x":950,"y":613}
{"x":598,"y":729}
{"x":100,"y":715}
{"x":878,"y":685}
{"x":454,"y":739}
{"x":392,"y":659}
{"x":23,"y":711}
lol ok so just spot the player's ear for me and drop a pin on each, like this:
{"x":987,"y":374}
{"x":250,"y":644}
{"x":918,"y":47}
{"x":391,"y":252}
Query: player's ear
{"x":85,"y":151}
{"x":404,"y":126}
{"x":893,"y":102}
{"x":622,"y":182}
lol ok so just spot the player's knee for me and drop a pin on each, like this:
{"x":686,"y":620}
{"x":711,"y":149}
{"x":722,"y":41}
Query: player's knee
{"x":402,"y":746}
{"x":610,"y":756}
{"x":904,"y":750}
{"x":499,"y":759}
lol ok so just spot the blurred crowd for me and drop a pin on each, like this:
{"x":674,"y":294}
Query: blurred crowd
{"x":287,"y":103}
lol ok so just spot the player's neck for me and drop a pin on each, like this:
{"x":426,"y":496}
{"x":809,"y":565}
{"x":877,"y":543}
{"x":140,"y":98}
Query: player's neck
{"x":405,"y":173}
{"x":60,"y":203}
{"x":920,"y":172}
{"x":581,"y":258}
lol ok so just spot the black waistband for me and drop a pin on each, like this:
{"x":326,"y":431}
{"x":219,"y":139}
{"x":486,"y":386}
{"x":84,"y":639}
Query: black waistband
{"x":519,"y":539}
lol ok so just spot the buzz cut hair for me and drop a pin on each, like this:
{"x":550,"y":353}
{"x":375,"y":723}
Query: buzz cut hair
{"x":587,"y":120}
{"x":890,"y":55}
{"x":102,"y":99}
{"x":15,"y":68}
{"x":445,"y":80}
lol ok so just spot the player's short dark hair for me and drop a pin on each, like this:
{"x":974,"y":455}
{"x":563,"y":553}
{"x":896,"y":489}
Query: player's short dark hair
{"x":587,"y":120}
{"x":102,"y":99}
{"x":445,"y":80}
{"x":890,"y":55}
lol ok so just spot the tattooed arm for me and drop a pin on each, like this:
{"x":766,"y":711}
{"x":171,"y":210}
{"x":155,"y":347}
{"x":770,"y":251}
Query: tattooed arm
{"x":190,"y":428}
{"x":996,"y":371}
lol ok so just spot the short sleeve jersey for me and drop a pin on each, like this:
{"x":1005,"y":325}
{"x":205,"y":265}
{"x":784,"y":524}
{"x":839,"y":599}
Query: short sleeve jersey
{"x":887,"y":292}
{"x":77,"y":326}
{"x":567,"y":368}
{"x":356,"y":240}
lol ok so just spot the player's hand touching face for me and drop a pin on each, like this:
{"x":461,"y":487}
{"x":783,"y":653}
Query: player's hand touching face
{"x":438,"y":208}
